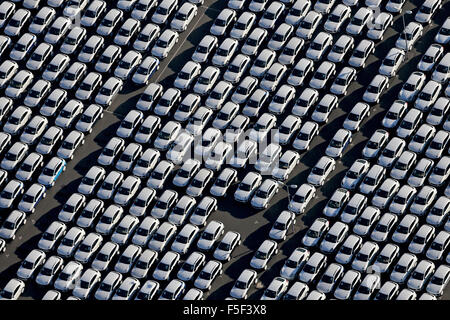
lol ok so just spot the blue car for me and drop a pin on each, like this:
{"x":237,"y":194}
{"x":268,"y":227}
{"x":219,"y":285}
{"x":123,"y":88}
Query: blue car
{"x":52,"y":171}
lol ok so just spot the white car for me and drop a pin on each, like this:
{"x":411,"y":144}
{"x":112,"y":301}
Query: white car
{"x":429,"y":59}
{"x":428,"y":95}
{"x":205,"y":48}
{"x":271,"y":15}
{"x":360,"y":54}
{"x":315,"y":233}
{"x":392,"y":62}
{"x":380,"y":24}
{"x":187,"y":75}
{"x":319,"y":46}
{"x":376,"y":88}
{"x":360,"y":20}
{"x":337,"y":18}
{"x":324,"y":166}
{"x":341,"y":139}
{"x":334,"y":237}
{"x":427,"y":10}
{"x":324,"y":108}
{"x":304,"y":194}
{"x":337,"y":202}
{"x":183,"y":17}
{"x":165,"y":44}
{"x":322,"y":75}
{"x":263,"y":254}
{"x":294,"y":263}
{"x":358,"y":113}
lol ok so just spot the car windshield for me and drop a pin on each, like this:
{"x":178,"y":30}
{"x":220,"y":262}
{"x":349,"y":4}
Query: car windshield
{"x":105,"y":287}
{"x":306,"y":24}
{"x":437,"y":211}
{"x":406,"y":35}
{"x":67,"y":242}
{"x":437,"y":246}
{"x":425,"y":9}
{"x":362,"y":257}
{"x":15,"y":84}
{"x":372,"y":89}
{"x":28,"y":198}
{"x":270,"y":293}
{"x":270,"y":76}
{"x":312,"y":233}
{"x":188,"y":267}
{"x":124,"y":32}
{"x":402,"y":229}
{"x":428,"y":59}
{"x":419,"y":240}
{"x":334,"y":204}
{"x":418,"y":275}
{"x":389,"y":62}
{"x":207,"y":236}
{"x":370,"y":181}
{"x":442,"y":68}
{"x":352,"y":174}
{"x":316,"y":46}
{"x":162,"y":10}
{"x":357,"y":21}
{"x":224,"y":246}
{"x":261,"y":255}
{"x":334,"y":18}
{"x":309,"y":269}
{"x":346,"y":250}
{"x":279,"y":226}
{"x":331,"y":238}
{"x":436,"y":280}
{"x":342,"y":82}
{"x":124,"y":191}
{"x":336,"y":143}
{"x":122,"y":293}
{"x":102,"y":257}
{"x":383,"y":259}
{"x":444,"y":31}
{"x":202,"y":49}
{"x":318,"y":171}
{"x":240,"y":285}
{"x":418,"y":173}
{"x":251,"y":42}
